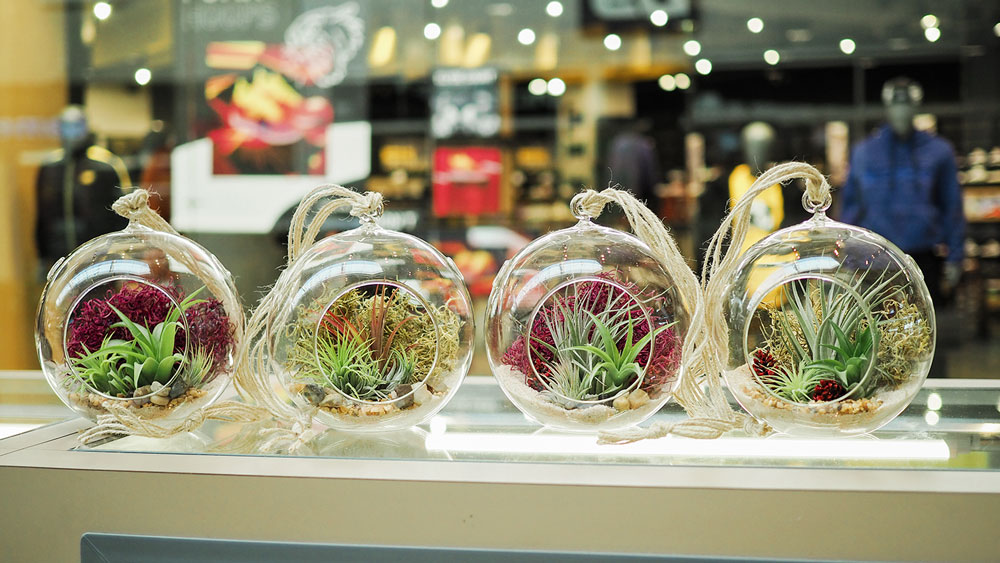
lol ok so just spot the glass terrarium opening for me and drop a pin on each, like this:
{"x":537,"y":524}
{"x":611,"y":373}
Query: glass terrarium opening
{"x":127,"y":338}
{"x":375,"y":342}
{"x":592,"y":339}
{"x":815,"y":338}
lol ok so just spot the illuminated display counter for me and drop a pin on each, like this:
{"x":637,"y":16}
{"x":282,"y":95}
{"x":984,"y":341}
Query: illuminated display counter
{"x":479,"y":474}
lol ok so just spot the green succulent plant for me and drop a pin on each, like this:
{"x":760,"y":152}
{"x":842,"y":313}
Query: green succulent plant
{"x":119,"y":366}
{"x":850,"y":361}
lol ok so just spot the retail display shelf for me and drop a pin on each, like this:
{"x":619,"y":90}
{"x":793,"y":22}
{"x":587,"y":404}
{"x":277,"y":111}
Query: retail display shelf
{"x":480,"y":474}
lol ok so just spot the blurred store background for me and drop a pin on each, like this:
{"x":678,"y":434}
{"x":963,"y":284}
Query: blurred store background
{"x":477,"y":119}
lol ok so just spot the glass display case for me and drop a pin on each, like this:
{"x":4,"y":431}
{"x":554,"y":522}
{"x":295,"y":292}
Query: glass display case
{"x":481,"y":468}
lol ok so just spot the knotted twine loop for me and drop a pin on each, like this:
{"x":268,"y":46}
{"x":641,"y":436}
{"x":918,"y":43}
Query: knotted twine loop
{"x":706,"y":345}
{"x":254,"y":364}
{"x":121,"y":420}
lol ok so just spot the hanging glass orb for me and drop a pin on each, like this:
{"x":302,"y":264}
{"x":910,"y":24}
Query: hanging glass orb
{"x":139,"y":318}
{"x":378,"y":334}
{"x":831,"y":329}
{"x":584,"y":329}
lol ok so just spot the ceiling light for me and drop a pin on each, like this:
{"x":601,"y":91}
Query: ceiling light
{"x":703,"y":66}
{"x":932,"y":34}
{"x":556,"y":87}
{"x":667,"y":83}
{"x":659,"y":18}
{"x":612,"y":41}
{"x":143,"y":76}
{"x":683,"y":81}
{"x":554,"y":9}
{"x":771,"y":57}
{"x":692,"y":47}
{"x":526,"y":36}
{"x":537,"y":86}
{"x":439,"y":3}
{"x":432,"y":31}
{"x":996,"y":29}
{"x":102,"y":10}
{"x":755,"y":25}
{"x":929,"y":21}
{"x":847,"y":46}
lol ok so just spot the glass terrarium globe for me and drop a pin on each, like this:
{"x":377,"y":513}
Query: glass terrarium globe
{"x":585,"y":328}
{"x":378,"y":335}
{"x":139,"y":318}
{"x":831,"y":329}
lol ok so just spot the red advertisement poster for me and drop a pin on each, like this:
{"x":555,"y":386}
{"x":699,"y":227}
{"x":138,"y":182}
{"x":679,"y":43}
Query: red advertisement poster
{"x":466,"y":181}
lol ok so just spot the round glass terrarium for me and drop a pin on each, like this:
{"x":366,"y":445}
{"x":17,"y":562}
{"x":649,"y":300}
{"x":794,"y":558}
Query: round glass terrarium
{"x":831,"y":329}
{"x":585,"y":328}
{"x":139,"y":318}
{"x":378,"y":334}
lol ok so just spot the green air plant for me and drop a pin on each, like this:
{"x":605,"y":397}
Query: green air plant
{"x":594,"y":354}
{"x":794,"y":383}
{"x":119,"y":367}
{"x":821,"y":333}
{"x":364,"y":346}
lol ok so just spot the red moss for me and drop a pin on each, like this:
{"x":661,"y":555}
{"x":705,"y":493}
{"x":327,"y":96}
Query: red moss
{"x":828,"y":390}
{"x":146,"y":305}
{"x":764,"y":363}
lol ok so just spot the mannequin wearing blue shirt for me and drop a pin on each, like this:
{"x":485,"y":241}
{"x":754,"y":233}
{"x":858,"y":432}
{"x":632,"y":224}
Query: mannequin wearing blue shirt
{"x":903,"y":184}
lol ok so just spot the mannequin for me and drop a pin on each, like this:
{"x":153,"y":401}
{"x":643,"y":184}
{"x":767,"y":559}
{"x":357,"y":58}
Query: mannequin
{"x":757,"y":140}
{"x":903,"y":184}
{"x":75,"y":189}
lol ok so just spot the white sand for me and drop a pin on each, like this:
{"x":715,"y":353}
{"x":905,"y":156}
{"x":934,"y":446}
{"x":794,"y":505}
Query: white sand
{"x":795,"y":418}
{"x":538,"y":407}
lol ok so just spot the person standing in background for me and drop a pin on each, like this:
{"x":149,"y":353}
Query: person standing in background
{"x":903,"y":184}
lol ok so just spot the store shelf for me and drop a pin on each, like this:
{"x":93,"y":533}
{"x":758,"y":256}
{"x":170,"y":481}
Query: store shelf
{"x":481,"y":475}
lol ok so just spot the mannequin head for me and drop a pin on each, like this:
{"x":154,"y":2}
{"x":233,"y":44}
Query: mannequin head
{"x":901,"y":97}
{"x":73,"y":128}
{"x":757,"y":139}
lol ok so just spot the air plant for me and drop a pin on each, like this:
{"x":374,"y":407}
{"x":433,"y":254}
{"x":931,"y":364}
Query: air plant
{"x":594,"y":355}
{"x":821,"y":336}
{"x":533,"y":353}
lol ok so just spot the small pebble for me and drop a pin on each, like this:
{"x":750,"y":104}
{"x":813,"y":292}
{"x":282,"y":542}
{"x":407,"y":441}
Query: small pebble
{"x":159,"y":400}
{"x":404,"y":392}
{"x":313,"y":393}
{"x":421,"y":395}
{"x":156,"y":386}
{"x":176,"y":390}
{"x":621,"y":403}
{"x":331,"y":400}
{"x":638,"y":398}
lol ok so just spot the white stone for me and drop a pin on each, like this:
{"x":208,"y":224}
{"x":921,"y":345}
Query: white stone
{"x":638,"y":398}
{"x":421,"y":395}
{"x":621,"y":403}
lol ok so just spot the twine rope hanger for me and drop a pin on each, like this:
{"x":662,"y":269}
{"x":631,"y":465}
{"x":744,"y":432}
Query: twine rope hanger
{"x":120,"y":420}
{"x":254,"y":364}
{"x":705,"y":348}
